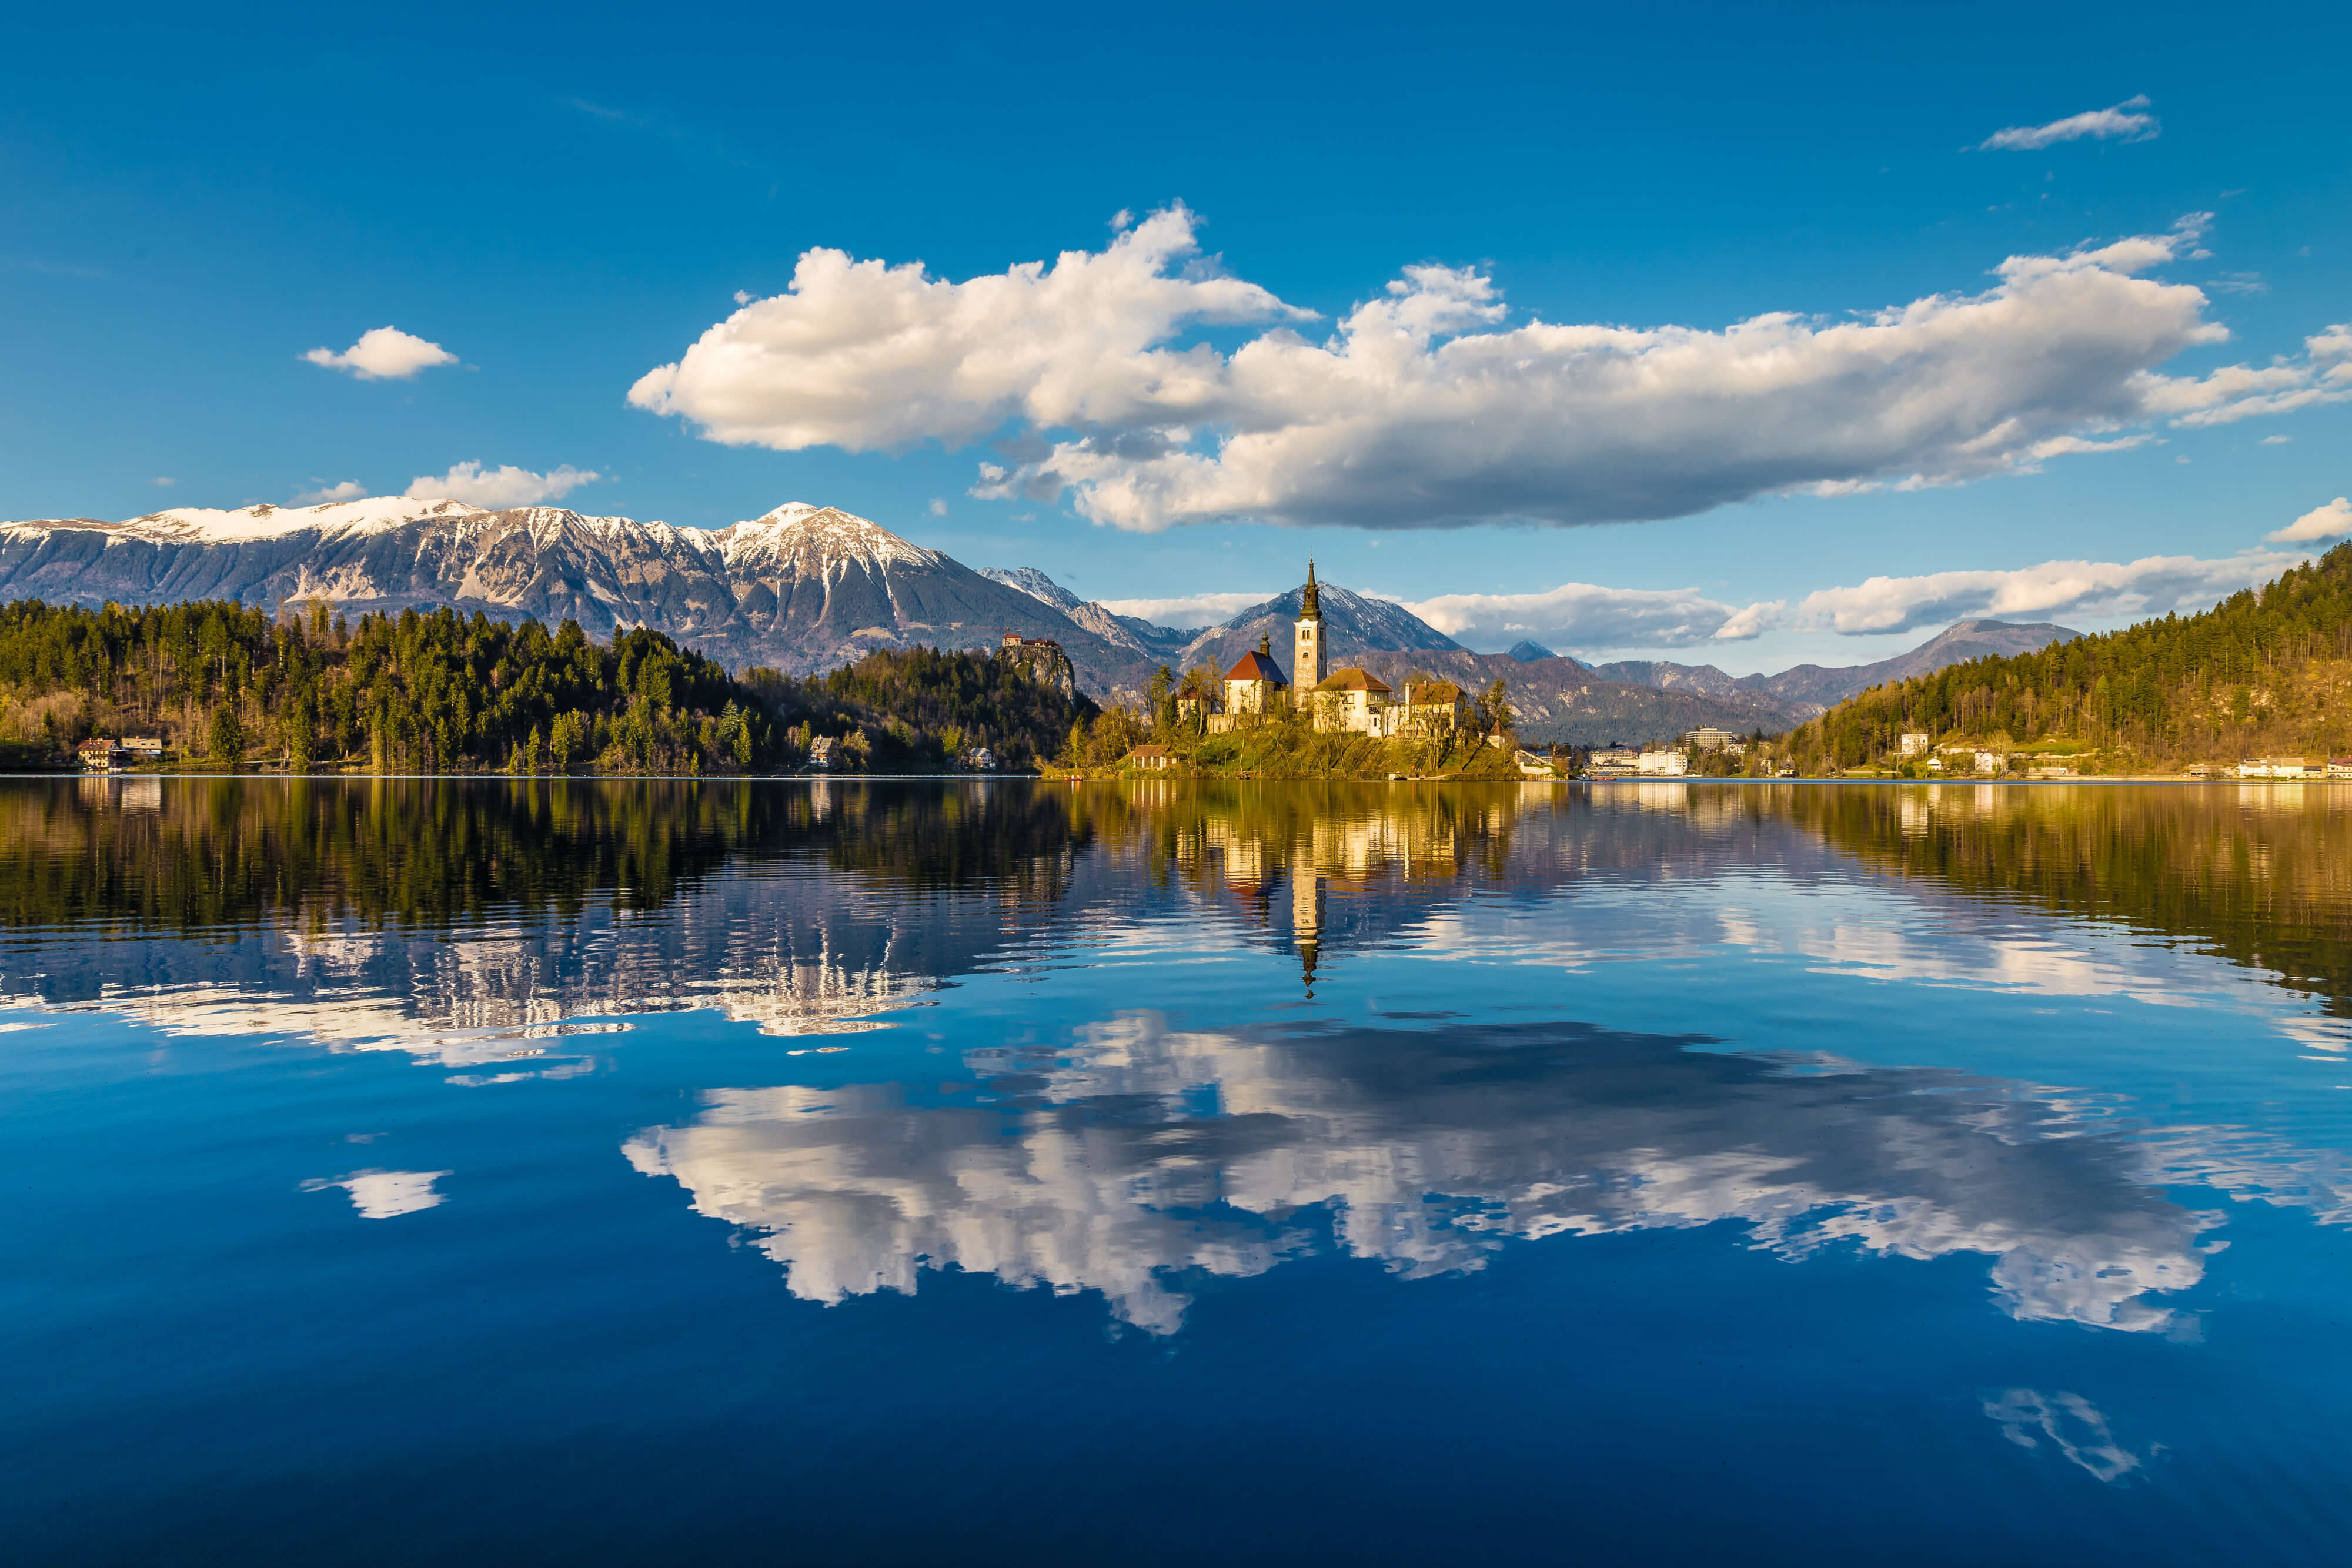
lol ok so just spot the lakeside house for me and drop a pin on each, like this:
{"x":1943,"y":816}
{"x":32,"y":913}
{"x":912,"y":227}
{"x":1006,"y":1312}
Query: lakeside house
{"x":1152,"y":757}
{"x":821,"y":753}
{"x":1428,"y":710}
{"x":2339,"y":767}
{"x":102,"y":751}
{"x":2278,"y":767}
{"x":1612,"y":762}
{"x":1915,"y":742}
{"x":1350,"y":699}
{"x":1662,"y":763}
{"x":980,"y":760}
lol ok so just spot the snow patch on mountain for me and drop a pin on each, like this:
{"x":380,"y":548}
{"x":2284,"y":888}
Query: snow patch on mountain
{"x":817,"y":540}
{"x":202,"y":524}
{"x":1028,"y":580}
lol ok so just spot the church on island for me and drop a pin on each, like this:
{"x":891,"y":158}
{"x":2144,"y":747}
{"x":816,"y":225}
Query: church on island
{"x":1348,"y":699}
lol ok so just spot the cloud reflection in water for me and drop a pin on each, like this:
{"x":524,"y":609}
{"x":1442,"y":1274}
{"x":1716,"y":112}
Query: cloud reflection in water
{"x":1094,"y":1169}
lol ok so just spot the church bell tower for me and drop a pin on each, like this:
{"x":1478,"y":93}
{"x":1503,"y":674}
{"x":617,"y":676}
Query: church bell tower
{"x":1307,"y":671}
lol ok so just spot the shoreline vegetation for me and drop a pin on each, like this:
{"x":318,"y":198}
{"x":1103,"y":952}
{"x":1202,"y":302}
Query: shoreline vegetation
{"x":216,"y":686}
{"x":2266,"y":674}
{"x":219,"y":687}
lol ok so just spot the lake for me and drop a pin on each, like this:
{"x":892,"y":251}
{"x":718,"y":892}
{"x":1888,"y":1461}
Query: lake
{"x":825,"y":1171}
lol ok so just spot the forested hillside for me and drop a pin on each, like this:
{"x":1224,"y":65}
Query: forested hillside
{"x":2267,"y":671}
{"x":922,"y":708}
{"x":424,"y":693}
{"x":438,"y":692}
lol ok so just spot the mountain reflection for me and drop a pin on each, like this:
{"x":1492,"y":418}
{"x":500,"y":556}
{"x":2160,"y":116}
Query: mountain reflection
{"x":1144,"y":1153}
{"x":455,"y":917}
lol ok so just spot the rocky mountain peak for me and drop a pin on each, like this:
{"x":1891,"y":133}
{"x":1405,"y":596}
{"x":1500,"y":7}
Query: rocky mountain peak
{"x":1028,"y":580}
{"x":818,"y":541}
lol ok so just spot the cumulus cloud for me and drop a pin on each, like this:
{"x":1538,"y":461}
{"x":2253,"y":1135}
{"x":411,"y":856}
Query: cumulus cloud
{"x":1187,"y":610}
{"x":1591,"y":619}
{"x":2323,"y":374}
{"x":2154,"y":585}
{"x":503,"y":487}
{"x":383,"y":354}
{"x":1425,"y":407}
{"x":2326,"y":522}
{"x":2125,"y":121}
{"x":862,"y":355}
{"x":348,"y":490}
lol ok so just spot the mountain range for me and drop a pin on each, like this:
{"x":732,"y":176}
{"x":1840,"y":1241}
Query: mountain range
{"x":806,"y":587}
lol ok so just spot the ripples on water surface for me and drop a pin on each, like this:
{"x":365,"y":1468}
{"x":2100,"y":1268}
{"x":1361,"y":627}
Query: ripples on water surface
{"x":829,"y":1172}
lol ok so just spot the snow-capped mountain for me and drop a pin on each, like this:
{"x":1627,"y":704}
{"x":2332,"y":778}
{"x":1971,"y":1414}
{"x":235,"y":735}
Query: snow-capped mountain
{"x":807,"y":588}
{"x":1354,"y":624}
{"x":1036,"y":584}
{"x":802,"y":588}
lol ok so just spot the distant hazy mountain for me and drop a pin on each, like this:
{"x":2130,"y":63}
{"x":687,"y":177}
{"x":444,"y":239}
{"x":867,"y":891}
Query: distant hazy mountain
{"x":1527,"y":650}
{"x":1955,"y":644}
{"x":1809,"y":689}
{"x":1705,"y":680}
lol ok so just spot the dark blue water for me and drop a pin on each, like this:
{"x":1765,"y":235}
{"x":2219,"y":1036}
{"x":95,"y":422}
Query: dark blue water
{"x":816,"y":1172}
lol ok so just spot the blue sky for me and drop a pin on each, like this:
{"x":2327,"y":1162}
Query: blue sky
{"x":565,"y":199}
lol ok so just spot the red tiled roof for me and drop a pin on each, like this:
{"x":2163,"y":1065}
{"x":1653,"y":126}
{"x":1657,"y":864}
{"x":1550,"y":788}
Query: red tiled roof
{"x":1437,"y":692}
{"x":1255,"y":667}
{"x":1349,"y":678}
{"x":1148,"y":751}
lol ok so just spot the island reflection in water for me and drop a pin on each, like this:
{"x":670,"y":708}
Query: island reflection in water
{"x":501,"y":929}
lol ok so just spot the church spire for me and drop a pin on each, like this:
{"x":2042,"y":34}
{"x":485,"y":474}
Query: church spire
{"x":1310,"y":608}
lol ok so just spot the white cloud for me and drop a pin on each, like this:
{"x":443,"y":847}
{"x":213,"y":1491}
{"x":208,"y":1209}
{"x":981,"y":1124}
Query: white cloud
{"x":2326,"y":522}
{"x":2123,"y":120}
{"x":503,"y":487}
{"x":1187,"y":610}
{"x":2324,"y":374}
{"x":1590,"y":618}
{"x":163,"y":482}
{"x":383,"y":354}
{"x":937,"y":508}
{"x":348,"y":490}
{"x":1425,"y":409}
{"x":861,"y":355}
{"x":2152,"y":586}
{"x":2276,"y":440}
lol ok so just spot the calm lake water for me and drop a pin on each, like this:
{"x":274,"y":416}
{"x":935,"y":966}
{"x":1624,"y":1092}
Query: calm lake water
{"x":970,"y":1172}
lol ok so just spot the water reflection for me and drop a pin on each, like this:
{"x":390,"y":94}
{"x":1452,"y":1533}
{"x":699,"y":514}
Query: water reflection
{"x":1147,"y":1152}
{"x":471,"y":921}
{"x":499,"y":930}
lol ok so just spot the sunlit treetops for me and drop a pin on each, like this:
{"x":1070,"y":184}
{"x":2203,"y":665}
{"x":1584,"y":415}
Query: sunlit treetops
{"x":2254,"y":672}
